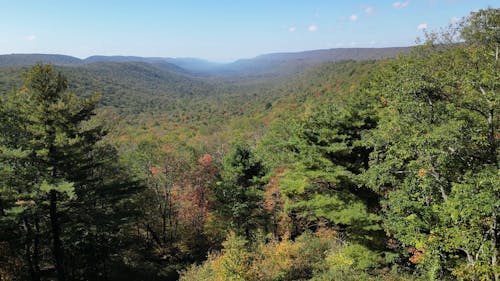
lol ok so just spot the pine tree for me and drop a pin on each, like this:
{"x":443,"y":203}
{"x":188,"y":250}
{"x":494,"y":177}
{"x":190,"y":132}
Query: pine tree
{"x":53,"y":166}
{"x":321,"y":183}
{"x":239,"y":193}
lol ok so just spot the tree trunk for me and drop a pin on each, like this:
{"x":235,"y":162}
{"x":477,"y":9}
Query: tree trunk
{"x":491,"y":137}
{"x":32,"y":261}
{"x":494,"y":262}
{"x":491,"y":126}
{"x":36,"y":249}
{"x":57,"y":245}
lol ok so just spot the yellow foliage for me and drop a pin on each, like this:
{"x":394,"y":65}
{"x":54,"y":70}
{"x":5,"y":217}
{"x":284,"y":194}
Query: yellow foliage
{"x":123,"y":139}
{"x":274,"y":260}
{"x":283,"y":259}
{"x":339,"y":260}
{"x":232,"y":264}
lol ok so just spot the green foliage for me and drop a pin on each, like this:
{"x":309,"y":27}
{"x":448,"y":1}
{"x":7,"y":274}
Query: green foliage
{"x":319,"y":256}
{"x":59,"y":185}
{"x":239,"y":193}
{"x":354,"y":255}
{"x":361,"y":170}
{"x":435,"y":153}
{"x":322,"y":185}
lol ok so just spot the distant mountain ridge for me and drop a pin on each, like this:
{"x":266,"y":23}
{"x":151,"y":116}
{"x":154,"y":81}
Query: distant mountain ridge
{"x":261,"y":65}
{"x":292,"y":63}
{"x":121,"y":59}
{"x":31,"y":59}
{"x":139,"y":84}
{"x":337,"y":54}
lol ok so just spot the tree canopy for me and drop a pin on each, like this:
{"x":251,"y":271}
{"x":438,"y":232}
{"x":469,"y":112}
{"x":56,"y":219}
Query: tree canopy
{"x":378,"y":170}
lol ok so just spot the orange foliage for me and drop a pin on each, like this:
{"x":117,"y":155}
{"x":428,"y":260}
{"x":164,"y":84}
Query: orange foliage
{"x":155,"y":170}
{"x":190,"y":194}
{"x":326,"y":234}
{"x":207,"y":170}
{"x":284,"y":225}
{"x":25,"y":203}
{"x":267,"y":121}
{"x":206,"y":160}
{"x":272,"y":198}
{"x":167,"y":148}
{"x":422,"y":173}
{"x":273,"y":202}
{"x":279,"y":170}
{"x":123,"y":138}
{"x":417,"y":255}
{"x":392,"y":244}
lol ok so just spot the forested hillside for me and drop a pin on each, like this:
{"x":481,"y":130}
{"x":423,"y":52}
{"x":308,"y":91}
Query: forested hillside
{"x":151,"y":85}
{"x":359,"y":169}
{"x":264,"y":66}
{"x":133,"y":87}
{"x":31,"y":59}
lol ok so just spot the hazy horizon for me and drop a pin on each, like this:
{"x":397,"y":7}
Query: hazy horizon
{"x":204,"y":59}
{"x":219,"y":31}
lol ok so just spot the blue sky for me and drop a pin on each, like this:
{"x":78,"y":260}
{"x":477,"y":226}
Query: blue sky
{"x":219,"y":30}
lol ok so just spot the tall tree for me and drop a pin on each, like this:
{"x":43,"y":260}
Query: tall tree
{"x":239,"y":194}
{"x":321,"y":180}
{"x":435,"y":157}
{"x":50,"y":157}
{"x":47,"y":122}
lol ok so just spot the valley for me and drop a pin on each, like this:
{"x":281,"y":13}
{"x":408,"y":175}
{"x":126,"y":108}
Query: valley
{"x":376,"y":164}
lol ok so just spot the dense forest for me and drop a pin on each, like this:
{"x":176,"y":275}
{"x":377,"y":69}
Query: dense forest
{"x":371,"y":168}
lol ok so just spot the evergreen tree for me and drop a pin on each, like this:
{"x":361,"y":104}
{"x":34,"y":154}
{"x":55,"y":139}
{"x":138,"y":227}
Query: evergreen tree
{"x":53,"y":167}
{"x":239,"y":193}
{"x":321,"y":180}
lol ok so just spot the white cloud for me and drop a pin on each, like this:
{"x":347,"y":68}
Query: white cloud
{"x":312,"y":28}
{"x":422,"y":26}
{"x":454,"y":19}
{"x":400,"y":5}
{"x":368,"y":10}
{"x":292,"y":29}
{"x":353,"y":17}
{"x":372,"y":42}
{"x":30,"y":38}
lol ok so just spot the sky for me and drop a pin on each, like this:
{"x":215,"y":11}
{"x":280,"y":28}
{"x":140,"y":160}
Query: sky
{"x":219,"y":30}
